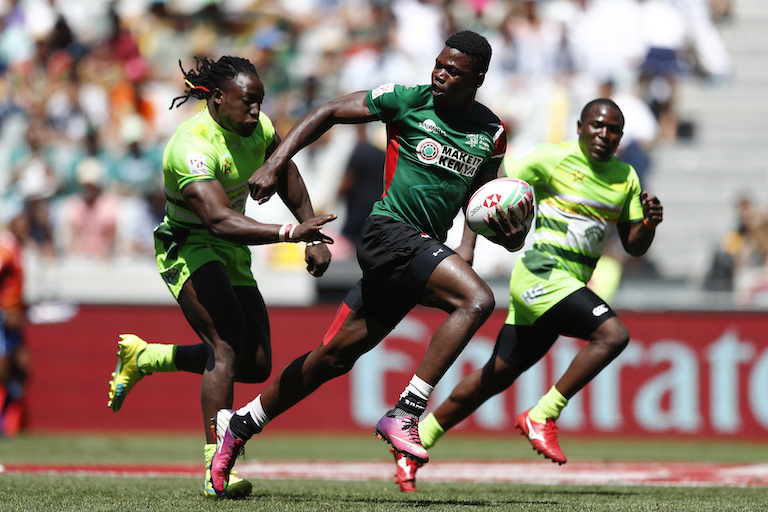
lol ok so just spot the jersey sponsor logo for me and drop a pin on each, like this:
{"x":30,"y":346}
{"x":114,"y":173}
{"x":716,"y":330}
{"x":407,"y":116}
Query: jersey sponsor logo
{"x":196,"y":164}
{"x":430,"y":126}
{"x":530,"y":295}
{"x":600,"y":310}
{"x":171,"y":275}
{"x":480,"y":140}
{"x":428,"y":151}
{"x":425,"y":236}
{"x":433,"y":153}
{"x":594,"y":233}
{"x":382,"y":89}
{"x":227,"y":164}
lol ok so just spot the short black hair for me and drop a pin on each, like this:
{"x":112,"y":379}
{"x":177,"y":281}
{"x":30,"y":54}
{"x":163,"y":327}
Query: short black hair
{"x":475,"y":46}
{"x":208,"y":75}
{"x":600,"y":101}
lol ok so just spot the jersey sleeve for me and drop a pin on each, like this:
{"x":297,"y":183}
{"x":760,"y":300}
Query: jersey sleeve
{"x":191,"y":159}
{"x":388,"y":102}
{"x":633,"y":208}
{"x":536,"y":166}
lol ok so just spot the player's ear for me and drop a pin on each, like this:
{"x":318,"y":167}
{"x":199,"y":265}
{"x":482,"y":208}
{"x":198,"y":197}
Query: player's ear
{"x":216,"y":96}
{"x":480,"y":79}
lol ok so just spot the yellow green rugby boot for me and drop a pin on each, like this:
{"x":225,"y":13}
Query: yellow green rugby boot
{"x":127,"y":373}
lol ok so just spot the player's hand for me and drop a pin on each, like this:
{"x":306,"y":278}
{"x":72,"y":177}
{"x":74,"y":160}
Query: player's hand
{"x":653,"y":212}
{"x":263,"y":182}
{"x":311,"y":230}
{"x":510,"y":231}
{"x":318,"y":257}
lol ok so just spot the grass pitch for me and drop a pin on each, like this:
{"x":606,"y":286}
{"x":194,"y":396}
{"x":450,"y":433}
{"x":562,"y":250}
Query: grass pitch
{"x":49,"y":492}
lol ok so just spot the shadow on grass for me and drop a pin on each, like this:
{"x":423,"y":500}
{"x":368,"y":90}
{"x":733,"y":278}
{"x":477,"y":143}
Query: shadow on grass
{"x":404,"y":501}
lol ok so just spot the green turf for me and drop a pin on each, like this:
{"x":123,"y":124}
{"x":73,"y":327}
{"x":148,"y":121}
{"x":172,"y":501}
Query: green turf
{"x":74,"y":449}
{"x":62,"y":493}
{"x":20,"y":493}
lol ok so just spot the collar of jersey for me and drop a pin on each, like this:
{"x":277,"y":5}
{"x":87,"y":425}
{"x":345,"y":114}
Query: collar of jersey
{"x":210,"y":121}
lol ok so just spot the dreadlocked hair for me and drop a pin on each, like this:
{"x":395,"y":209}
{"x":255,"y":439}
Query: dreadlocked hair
{"x":208,"y":75}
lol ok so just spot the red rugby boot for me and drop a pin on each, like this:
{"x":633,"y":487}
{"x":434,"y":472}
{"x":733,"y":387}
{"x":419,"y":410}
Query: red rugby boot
{"x":405,"y":475}
{"x":543,"y":437}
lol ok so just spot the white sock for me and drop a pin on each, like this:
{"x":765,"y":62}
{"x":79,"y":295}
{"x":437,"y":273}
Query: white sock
{"x":256,"y":412}
{"x":419,"y":388}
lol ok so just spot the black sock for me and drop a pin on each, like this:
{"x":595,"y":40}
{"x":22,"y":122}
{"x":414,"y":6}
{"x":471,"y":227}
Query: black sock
{"x":412,"y":404}
{"x":243,"y":426}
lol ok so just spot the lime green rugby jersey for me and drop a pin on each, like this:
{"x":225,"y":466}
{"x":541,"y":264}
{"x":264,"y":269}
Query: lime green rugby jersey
{"x":579,"y":203}
{"x":433,"y":156}
{"x":201,"y":150}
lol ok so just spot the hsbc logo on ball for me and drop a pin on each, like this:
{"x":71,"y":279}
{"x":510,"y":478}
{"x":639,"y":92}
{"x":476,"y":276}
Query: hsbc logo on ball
{"x":492,"y":200}
{"x":475,"y":209}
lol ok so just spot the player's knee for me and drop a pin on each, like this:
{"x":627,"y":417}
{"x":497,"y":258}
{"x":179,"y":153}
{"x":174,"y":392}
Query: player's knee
{"x":332,"y":366}
{"x":229,"y":352}
{"x":612,"y":336}
{"x":621,"y":342}
{"x":340,"y":367}
{"x":616,"y":339}
{"x":483,"y":303}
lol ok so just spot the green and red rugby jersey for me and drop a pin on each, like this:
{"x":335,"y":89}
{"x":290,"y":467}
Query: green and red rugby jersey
{"x":433,"y":156}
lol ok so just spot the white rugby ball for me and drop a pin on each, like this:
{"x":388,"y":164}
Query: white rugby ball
{"x":504,"y":192}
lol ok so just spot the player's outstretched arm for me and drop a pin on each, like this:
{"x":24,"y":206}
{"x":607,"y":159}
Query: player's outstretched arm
{"x":349,"y":109}
{"x":293,"y":191}
{"x":211,"y":204}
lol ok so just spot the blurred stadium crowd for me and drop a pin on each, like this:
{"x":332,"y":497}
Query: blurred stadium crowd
{"x":86,"y":86}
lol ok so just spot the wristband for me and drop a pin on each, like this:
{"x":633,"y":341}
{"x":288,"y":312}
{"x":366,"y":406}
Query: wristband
{"x":289,"y":238}
{"x":284,"y":231}
{"x":645,"y":223}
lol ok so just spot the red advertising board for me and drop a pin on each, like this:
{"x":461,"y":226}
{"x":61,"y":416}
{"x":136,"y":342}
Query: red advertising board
{"x":700,"y":374}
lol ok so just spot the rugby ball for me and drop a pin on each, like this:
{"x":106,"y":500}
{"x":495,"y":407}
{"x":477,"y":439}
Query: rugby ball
{"x":504,"y":192}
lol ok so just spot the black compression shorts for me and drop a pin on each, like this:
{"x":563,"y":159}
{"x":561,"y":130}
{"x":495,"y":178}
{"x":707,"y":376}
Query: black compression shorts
{"x":578,"y":315}
{"x":397,"y":261}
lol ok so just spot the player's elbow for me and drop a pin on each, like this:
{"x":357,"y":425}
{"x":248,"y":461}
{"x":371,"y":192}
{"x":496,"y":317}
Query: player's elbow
{"x":218,"y":226}
{"x":636,"y":250}
{"x":636,"y":246}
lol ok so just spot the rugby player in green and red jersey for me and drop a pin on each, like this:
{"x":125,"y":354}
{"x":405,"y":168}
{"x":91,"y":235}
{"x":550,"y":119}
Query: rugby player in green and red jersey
{"x":442,"y":145}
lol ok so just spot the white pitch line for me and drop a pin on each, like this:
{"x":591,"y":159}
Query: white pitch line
{"x":539,"y":472}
